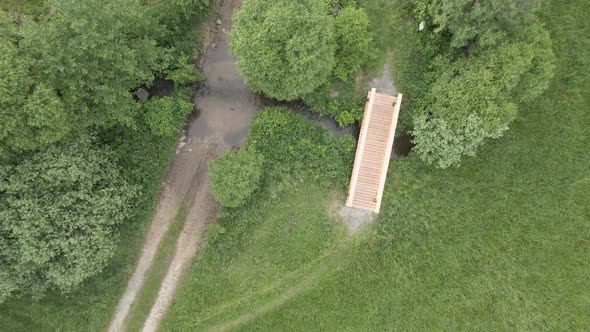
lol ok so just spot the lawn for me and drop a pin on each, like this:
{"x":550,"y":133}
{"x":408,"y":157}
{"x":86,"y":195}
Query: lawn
{"x":500,"y":243}
{"x":274,"y":247}
{"x":22,"y":6}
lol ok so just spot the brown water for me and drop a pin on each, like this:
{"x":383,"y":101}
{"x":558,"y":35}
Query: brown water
{"x":225,"y":105}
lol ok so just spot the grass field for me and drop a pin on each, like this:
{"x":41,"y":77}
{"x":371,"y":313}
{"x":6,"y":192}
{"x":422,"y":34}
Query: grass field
{"x":22,"y":6}
{"x":500,"y":243}
{"x":265,"y":250}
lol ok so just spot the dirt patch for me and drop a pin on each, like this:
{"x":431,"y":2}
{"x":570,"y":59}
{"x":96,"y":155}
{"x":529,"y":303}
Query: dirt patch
{"x":384,"y":83}
{"x":202,"y":212}
{"x":356,"y":218}
{"x":353,"y":218}
{"x":180,"y":181}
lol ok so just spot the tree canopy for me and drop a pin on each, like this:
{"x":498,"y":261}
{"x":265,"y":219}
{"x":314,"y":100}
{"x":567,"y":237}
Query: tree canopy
{"x":59,"y":212}
{"x":67,"y":74}
{"x":285,"y":49}
{"x":490,"y":64}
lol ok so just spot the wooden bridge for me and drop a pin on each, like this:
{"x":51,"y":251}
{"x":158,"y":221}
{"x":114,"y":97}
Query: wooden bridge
{"x":373,"y":151}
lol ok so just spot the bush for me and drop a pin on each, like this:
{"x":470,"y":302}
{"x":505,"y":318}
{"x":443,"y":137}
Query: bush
{"x":235,"y":176}
{"x":295,"y":146}
{"x":165,"y":115}
{"x":479,"y":94}
{"x":285,"y":49}
{"x":183,"y":73}
{"x":353,"y":40}
{"x":60,"y":210}
{"x":338,"y":100}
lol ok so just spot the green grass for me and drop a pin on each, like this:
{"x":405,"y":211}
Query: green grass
{"x":500,"y":243}
{"x":256,"y":254}
{"x":148,"y":293}
{"x":22,"y":6}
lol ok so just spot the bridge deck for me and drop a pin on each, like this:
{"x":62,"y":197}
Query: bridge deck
{"x":373,"y":151}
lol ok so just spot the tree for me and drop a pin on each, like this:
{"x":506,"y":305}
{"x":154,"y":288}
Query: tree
{"x":353,"y":41}
{"x":477,"y":97}
{"x":285,"y":49}
{"x":235,"y":176}
{"x":59,"y":212}
{"x":95,"y":53}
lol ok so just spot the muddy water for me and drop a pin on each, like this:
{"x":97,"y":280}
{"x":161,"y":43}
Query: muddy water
{"x":402,"y":146}
{"x":224,"y":103}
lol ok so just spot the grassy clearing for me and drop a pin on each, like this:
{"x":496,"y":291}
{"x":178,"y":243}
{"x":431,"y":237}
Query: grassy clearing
{"x":148,"y":293}
{"x":497,"y":244}
{"x":256,"y":254}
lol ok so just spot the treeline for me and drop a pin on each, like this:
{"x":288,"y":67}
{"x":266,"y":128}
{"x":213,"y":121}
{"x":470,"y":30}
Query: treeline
{"x":80,"y":148}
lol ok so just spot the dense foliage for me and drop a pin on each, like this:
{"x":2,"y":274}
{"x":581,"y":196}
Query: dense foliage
{"x":491,"y":56}
{"x":68,"y":72}
{"x":166,"y":114}
{"x":285,"y":48}
{"x":292,"y":145}
{"x":235,"y":176}
{"x":353,"y":40}
{"x":59,"y":210}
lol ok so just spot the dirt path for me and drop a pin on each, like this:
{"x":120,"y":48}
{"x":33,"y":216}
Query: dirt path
{"x":384,"y":83}
{"x":225,"y":109}
{"x":179,"y":179}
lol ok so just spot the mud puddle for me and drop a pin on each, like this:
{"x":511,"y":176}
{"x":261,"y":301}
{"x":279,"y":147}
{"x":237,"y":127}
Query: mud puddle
{"x":225,"y":105}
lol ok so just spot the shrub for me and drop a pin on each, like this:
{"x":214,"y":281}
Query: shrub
{"x":477,"y":97}
{"x":293,"y":145}
{"x":165,"y":115}
{"x":235,"y":176}
{"x":184,"y":72}
{"x":285,"y":49}
{"x":353,"y":40}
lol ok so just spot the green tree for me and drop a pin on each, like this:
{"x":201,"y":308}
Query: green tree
{"x":285,"y":49}
{"x":59,"y":212}
{"x":354,"y":42}
{"x":95,"y":53}
{"x":235,"y":176}
{"x":477,"y":97}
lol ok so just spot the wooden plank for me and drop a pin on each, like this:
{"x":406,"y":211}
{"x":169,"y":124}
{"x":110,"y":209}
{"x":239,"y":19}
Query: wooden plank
{"x":388,"y":155}
{"x":360,"y":147}
{"x":373,"y":151}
